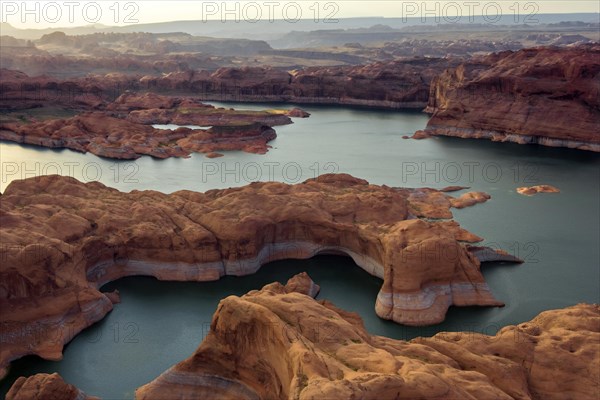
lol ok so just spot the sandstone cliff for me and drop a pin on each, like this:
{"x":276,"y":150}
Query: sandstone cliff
{"x":390,"y":84}
{"x":547,"y":95}
{"x":277,"y":343}
{"x":45,"y":387}
{"x":62,"y":240}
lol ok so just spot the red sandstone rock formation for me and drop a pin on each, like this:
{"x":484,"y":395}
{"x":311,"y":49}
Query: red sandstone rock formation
{"x":297,"y":113}
{"x":45,"y":387}
{"x":99,"y":134}
{"x":277,"y":343}
{"x":548,"y":96}
{"x":394,"y":84}
{"x":122,"y":130}
{"x":533,"y":190}
{"x":151,"y":108}
{"x":62,"y":240}
{"x":118,"y":138}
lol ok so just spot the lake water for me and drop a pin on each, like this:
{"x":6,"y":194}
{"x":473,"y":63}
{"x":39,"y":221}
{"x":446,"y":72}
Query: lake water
{"x":160,"y":323}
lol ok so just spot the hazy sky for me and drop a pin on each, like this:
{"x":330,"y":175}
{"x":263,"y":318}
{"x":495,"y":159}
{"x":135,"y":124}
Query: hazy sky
{"x":44,"y":14}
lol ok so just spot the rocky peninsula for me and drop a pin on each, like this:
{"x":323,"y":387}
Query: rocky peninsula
{"x":63,"y":239}
{"x":123,"y":129}
{"x":280,"y":343}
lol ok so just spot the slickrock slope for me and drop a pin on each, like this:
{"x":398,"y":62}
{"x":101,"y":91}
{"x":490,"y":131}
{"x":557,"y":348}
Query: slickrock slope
{"x":106,"y":136}
{"x":45,"y":387}
{"x":280,"y":344}
{"x":548,"y":96}
{"x":62,"y":240}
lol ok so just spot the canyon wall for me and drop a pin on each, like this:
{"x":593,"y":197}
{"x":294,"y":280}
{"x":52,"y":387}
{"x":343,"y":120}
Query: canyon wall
{"x":548,"y":96}
{"x":278,"y":343}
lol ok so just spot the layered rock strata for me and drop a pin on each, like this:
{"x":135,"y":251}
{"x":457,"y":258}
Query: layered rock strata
{"x":277,"y":343}
{"x":548,"y":96}
{"x":62,"y":240}
{"x":391,"y":84}
{"x":110,"y":137}
{"x":152,"y":108}
{"x":45,"y":387}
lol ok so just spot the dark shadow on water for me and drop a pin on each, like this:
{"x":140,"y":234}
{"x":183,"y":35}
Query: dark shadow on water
{"x":508,"y":151}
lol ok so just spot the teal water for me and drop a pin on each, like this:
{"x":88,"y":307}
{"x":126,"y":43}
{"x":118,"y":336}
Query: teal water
{"x":160,"y":323}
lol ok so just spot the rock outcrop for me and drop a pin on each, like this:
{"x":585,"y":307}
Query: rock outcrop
{"x":45,"y":387}
{"x":62,"y":240}
{"x":547,"y":95}
{"x":533,"y":190}
{"x":110,"y":137}
{"x":391,"y":84}
{"x":152,"y":108}
{"x":277,"y":343}
{"x":123,"y":129}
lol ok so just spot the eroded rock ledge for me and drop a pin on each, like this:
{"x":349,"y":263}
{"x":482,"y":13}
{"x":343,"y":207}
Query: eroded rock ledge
{"x":123,"y":129}
{"x":63,"y":239}
{"x":277,"y":343}
{"x":390,"y":84}
{"x":547,"y":96}
{"x":45,"y":387}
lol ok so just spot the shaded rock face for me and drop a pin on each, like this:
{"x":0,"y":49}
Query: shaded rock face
{"x":45,"y":387}
{"x":391,"y":84}
{"x":279,"y":344}
{"x":62,"y":240}
{"x":395,"y":84}
{"x":548,"y":96}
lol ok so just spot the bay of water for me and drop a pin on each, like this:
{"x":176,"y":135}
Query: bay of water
{"x":160,"y":323}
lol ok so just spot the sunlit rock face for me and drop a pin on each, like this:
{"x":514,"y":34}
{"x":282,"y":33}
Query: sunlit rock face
{"x":63,"y":239}
{"x":277,"y":343}
{"x":45,"y":387}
